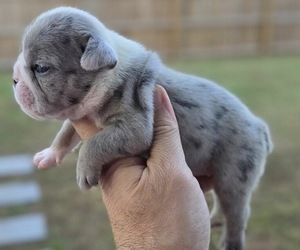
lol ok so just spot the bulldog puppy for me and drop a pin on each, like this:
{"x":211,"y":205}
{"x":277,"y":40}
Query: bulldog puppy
{"x":71,"y":66}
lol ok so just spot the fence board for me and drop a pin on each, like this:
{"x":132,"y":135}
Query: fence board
{"x":174,"y":27}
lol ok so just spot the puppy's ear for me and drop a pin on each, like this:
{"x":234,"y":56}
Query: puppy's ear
{"x":98,"y":54}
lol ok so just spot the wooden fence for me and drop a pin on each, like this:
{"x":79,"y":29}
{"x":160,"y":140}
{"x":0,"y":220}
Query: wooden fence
{"x":174,"y":28}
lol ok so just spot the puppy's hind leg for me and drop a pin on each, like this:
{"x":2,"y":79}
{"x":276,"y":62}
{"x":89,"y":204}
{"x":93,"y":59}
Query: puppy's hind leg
{"x":237,"y":172}
{"x":235,"y":204}
{"x":237,"y":177}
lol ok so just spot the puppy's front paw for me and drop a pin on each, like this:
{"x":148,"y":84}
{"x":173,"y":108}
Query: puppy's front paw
{"x":88,"y":170}
{"x":87,"y":176}
{"x":46,"y":158}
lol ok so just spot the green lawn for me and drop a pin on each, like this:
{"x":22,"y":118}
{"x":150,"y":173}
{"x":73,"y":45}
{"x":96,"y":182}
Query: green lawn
{"x":77,"y":220}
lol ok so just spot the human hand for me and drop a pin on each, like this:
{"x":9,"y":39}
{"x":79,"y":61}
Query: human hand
{"x":155,"y":203}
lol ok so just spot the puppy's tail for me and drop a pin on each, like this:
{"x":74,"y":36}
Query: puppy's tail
{"x":268,"y":140}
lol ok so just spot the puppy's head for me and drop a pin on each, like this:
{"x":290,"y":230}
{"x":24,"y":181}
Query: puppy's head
{"x":63,"y":51}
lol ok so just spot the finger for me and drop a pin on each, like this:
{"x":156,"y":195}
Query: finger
{"x":85,"y":128}
{"x":166,"y":150}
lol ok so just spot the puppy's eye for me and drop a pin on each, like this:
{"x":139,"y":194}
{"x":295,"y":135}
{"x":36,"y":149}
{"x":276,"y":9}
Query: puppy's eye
{"x":41,"y":69}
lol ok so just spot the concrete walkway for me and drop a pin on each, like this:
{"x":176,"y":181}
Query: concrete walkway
{"x":17,"y":193}
{"x":25,"y":228}
{"x":22,"y":229}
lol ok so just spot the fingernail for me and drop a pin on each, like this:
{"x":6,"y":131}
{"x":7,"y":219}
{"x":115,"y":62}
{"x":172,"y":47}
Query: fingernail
{"x":158,"y":98}
{"x":162,"y":100}
{"x":168,"y":104}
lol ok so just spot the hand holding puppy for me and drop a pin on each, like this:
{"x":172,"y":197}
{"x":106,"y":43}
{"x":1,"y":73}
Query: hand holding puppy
{"x":158,"y":203}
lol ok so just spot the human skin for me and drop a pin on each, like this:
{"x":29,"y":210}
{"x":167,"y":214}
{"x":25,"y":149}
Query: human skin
{"x":155,"y":203}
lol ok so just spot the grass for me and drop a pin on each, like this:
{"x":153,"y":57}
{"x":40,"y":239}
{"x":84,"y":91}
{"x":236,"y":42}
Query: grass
{"x":77,"y":220}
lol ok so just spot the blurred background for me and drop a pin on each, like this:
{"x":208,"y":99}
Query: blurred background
{"x":251,"y":48}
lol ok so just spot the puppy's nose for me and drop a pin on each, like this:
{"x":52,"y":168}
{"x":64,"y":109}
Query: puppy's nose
{"x":15,"y":82}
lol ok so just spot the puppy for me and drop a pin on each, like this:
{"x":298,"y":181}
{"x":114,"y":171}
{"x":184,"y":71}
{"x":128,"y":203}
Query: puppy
{"x":71,"y":66}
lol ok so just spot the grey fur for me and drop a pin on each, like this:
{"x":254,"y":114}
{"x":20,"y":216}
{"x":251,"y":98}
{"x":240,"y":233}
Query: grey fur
{"x":97,"y":73}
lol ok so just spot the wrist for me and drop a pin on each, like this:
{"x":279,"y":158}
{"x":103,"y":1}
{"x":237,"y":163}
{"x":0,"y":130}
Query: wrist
{"x":156,"y":238}
{"x":132,"y":237}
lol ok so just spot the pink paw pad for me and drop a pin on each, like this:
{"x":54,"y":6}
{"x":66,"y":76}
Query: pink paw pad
{"x":46,"y":159}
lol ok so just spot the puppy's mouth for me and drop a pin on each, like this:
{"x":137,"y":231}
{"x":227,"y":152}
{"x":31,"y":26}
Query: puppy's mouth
{"x":30,"y":104}
{"x":24,"y":95}
{"x":26,"y":99}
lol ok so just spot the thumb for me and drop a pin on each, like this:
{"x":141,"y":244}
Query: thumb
{"x":166,"y":142}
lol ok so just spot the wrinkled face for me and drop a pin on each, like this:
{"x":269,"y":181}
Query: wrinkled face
{"x":59,"y":63}
{"x":48,"y":78}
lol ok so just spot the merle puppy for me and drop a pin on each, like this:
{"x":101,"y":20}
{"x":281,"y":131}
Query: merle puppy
{"x":71,"y":66}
